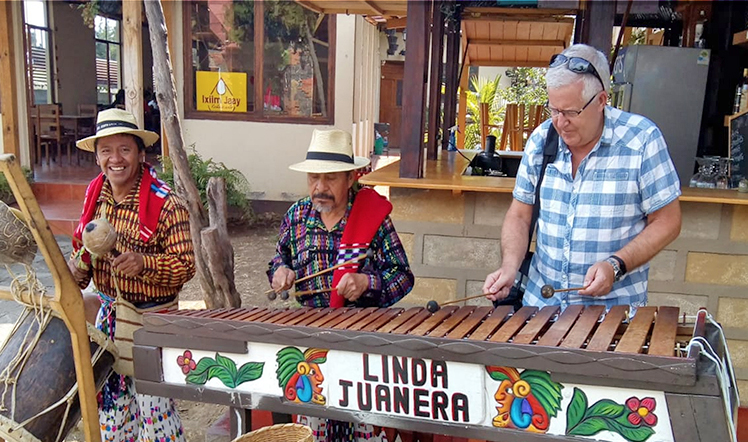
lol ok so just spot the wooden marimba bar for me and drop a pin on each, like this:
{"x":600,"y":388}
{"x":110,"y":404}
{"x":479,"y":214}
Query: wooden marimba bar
{"x":603,"y":354}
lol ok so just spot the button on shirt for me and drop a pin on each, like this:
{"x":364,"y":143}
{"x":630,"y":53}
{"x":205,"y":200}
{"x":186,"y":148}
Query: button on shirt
{"x":588,"y":217}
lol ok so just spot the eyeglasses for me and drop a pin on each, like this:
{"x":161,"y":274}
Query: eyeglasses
{"x":569,"y":113}
{"x":577,"y":65}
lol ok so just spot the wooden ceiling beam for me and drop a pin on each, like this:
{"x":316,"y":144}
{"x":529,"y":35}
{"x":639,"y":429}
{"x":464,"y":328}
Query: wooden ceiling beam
{"x":511,"y":63}
{"x":397,"y":23}
{"x":550,"y":43}
{"x":520,"y":18}
{"x":374,"y":7}
{"x":310,"y":6}
{"x":522,"y":11}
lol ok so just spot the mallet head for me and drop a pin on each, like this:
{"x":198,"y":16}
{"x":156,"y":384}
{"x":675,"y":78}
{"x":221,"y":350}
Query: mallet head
{"x":547,"y":291}
{"x":432,"y":306}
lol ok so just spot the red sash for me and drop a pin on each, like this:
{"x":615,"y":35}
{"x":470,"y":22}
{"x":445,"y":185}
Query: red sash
{"x":367,"y":214}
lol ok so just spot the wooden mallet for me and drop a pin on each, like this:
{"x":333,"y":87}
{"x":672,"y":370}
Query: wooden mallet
{"x":548,"y":291}
{"x":272,"y":294}
{"x":433,"y":306}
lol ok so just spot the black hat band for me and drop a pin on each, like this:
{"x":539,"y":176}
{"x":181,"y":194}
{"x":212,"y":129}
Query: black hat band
{"x":327,"y":156}
{"x":115,"y":123}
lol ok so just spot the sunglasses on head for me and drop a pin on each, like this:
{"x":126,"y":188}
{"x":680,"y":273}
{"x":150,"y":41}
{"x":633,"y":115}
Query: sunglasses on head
{"x":577,"y":65}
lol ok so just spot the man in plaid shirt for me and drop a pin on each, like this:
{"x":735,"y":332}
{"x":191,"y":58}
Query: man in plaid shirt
{"x":608,"y":203}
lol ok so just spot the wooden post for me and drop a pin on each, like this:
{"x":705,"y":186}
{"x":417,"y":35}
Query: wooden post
{"x":67,"y":300}
{"x":214,"y":295}
{"x":414,"y":91}
{"x":598,"y":20}
{"x":435,"y":78}
{"x":132,"y":58}
{"x":8,"y":96}
{"x":452,"y":71}
{"x":462,"y":114}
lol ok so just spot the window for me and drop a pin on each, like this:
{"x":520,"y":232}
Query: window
{"x":267,"y":61}
{"x":108,"y":76}
{"x":38,"y":51}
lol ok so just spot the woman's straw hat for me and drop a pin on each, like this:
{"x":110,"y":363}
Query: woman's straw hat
{"x":113,"y":122}
{"x":330,"y":151}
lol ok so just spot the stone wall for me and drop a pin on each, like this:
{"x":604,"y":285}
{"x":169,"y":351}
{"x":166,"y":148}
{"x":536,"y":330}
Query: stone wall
{"x":453,"y":242}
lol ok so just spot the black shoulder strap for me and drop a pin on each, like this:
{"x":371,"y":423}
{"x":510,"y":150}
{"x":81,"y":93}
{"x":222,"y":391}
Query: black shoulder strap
{"x":549,"y":155}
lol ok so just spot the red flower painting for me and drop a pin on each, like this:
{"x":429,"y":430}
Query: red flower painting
{"x":642,"y":410}
{"x":186,"y":362}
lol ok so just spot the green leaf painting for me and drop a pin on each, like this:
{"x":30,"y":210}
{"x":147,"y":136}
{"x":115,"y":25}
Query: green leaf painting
{"x":222,"y":368}
{"x":633,"y":421}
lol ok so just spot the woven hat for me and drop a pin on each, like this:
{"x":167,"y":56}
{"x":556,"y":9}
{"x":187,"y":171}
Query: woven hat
{"x":113,"y":122}
{"x":330,"y":151}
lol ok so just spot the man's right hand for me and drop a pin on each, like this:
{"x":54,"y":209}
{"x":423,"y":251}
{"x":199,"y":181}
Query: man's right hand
{"x":78,"y":274}
{"x":499,"y":283}
{"x":283,"y":279}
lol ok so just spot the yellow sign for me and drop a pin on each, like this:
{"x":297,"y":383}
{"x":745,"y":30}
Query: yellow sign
{"x":221,"y":91}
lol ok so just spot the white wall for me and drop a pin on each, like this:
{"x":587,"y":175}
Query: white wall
{"x":263,"y":151}
{"x":491,"y":72}
{"x":76,"y":57}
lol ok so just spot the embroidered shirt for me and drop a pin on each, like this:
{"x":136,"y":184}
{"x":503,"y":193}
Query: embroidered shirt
{"x":586,"y":218}
{"x":306,"y":247}
{"x":168,"y":256}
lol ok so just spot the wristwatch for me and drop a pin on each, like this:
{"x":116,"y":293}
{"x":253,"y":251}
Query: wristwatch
{"x":615,"y":262}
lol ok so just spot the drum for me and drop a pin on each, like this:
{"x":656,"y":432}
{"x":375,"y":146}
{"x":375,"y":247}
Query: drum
{"x":38,"y":387}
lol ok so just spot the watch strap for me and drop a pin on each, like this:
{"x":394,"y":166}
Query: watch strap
{"x":621,"y":264}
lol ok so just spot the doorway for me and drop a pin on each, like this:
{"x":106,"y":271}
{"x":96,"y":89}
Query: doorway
{"x":391,"y":99}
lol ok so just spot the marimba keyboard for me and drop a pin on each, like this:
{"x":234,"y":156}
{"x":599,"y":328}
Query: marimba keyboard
{"x":582,"y":354}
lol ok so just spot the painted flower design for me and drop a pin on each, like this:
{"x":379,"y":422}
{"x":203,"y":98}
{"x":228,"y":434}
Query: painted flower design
{"x":186,"y":362}
{"x":642,"y":410}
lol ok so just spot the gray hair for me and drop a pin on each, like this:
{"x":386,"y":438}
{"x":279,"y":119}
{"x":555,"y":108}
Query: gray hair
{"x":561,"y":76}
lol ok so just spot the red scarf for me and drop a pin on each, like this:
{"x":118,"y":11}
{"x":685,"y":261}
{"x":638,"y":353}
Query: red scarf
{"x":367,"y":214}
{"x":151,"y":199}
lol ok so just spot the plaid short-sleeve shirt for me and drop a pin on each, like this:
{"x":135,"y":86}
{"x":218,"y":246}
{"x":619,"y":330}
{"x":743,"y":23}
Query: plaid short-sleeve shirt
{"x":588,"y":217}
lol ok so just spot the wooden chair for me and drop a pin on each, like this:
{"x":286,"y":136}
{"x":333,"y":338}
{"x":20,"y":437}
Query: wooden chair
{"x":519,"y":122}
{"x":50,"y":132}
{"x":485,"y":124}
{"x":86,"y":128}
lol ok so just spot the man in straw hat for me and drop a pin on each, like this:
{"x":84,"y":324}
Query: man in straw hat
{"x":337,"y":224}
{"x":154,"y":258}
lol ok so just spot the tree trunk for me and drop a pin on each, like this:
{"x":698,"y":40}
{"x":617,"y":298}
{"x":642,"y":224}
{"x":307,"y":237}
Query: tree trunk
{"x":183,"y":180}
{"x":317,"y":71}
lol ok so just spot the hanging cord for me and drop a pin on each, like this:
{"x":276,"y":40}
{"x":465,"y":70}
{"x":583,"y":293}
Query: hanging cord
{"x":725,"y":374}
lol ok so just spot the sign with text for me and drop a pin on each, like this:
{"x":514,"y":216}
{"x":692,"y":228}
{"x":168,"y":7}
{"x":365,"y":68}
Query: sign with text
{"x":221,"y":91}
{"x":441,"y":392}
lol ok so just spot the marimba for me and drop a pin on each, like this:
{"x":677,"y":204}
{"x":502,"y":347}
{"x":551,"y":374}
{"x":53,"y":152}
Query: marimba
{"x":478,"y":372}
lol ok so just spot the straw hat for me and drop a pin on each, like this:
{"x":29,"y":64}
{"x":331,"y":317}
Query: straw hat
{"x":113,"y":122}
{"x":330,"y":151}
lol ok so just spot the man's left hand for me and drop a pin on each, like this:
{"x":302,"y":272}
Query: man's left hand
{"x":598,"y":280}
{"x":353,"y":285}
{"x":129,"y":264}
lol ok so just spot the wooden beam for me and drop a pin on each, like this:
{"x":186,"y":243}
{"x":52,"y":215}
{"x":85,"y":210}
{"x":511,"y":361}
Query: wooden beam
{"x":171,"y":26}
{"x":132,"y":58}
{"x":521,"y":43}
{"x":310,"y":6}
{"x":397,"y":23}
{"x":452,"y":67}
{"x":462,"y":111}
{"x":414,"y":91}
{"x":435,"y":78}
{"x":467,"y":12}
{"x":8,"y":95}
{"x":512,"y":63}
{"x":599,"y":18}
{"x":518,"y":18}
{"x":374,"y":7}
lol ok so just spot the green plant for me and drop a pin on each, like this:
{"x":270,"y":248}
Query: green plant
{"x":237,"y":186}
{"x":6,"y":194}
{"x":527,"y":85}
{"x":482,"y":90}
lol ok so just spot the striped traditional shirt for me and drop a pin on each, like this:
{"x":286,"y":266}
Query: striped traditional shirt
{"x":586,"y":218}
{"x":306,"y":246}
{"x":168,"y":256}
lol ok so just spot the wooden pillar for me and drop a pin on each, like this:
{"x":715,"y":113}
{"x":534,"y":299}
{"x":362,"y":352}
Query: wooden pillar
{"x":452,"y":68}
{"x":414,"y":92}
{"x":132,"y":57}
{"x":435,"y":78}
{"x":462,"y":113}
{"x":8,"y":96}
{"x":598,"y":25}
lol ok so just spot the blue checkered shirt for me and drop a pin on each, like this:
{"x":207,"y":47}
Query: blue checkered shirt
{"x":586,"y":218}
